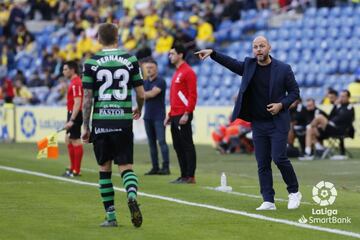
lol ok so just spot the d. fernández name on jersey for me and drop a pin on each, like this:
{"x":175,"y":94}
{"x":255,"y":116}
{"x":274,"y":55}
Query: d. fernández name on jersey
{"x":112,"y":74}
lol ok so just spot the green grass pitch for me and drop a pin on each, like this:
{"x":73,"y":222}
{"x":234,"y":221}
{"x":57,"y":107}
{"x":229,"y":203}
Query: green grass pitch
{"x":34,"y":207}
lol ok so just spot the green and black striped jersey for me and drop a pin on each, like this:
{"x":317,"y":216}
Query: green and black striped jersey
{"x":112,"y":74}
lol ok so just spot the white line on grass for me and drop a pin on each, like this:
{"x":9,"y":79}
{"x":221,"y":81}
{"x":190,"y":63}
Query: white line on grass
{"x":220,"y":209}
{"x":253,"y":195}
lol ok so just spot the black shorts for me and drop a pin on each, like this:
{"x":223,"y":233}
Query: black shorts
{"x":330,"y":131}
{"x":114,"y":146}
{"x":75,"y":130}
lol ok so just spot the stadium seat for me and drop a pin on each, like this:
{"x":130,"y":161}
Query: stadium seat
{"x":307,"y":55}
{"x":235,"y":34}
{"x":310,"y":13}
{"x":308,"y":34}
{"x":353,"y":65}
{"x":323,"y":12}
{"x":294,"y":56}
{"x":335,"y":12}
{"x":221,"y":35}
{"x":310,"y":23}
{"x":272,"y":35}
{"x":320,"y":79}
{"x":283,"y":34}
{"x":345,"y":32}
{"x":344,"y":67}
{"x":347,"y":11}
{"x":310,"y":80}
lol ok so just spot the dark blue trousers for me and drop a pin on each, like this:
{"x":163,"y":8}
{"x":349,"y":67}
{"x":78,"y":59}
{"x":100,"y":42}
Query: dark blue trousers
{"x":155,"y":131}
{"x":270,"y":144}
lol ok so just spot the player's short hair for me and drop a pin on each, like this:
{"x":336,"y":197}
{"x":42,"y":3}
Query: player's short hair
{"x":108,"y":34}
{"x":72,"y":65}
{"x":180,"y":48}
{"x":149,"y":60}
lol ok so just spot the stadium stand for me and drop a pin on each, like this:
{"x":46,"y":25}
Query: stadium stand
{"x":320,"y":44}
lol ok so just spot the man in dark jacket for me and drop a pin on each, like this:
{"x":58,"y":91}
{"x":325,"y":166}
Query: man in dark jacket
{"x":268,"y":88}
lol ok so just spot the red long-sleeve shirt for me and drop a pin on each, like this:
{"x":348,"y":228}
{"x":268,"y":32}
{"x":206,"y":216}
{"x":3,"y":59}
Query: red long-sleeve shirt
{"x":183,"y":93}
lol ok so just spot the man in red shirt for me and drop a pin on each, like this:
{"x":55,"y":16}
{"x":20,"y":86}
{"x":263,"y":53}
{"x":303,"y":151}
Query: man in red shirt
{"x":183,"y":97}
{"x":8,"y":91}
{"x":74,"y":119}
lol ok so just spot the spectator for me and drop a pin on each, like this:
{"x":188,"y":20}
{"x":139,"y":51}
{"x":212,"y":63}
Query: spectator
{"x":4,"y":16}
{"x":164,"y":43}
{"x":8,"y":91}
{"x":149,"y":24}
{"x":23,"y":95}
{"x":22,"y":37}
{"x":303,"y":117}
{"x":205,"y":37}
{"x":130,"y":43}
{"x":188,"y":29}
{"x":7,"y":58}
{"x":16,"y":18}
{"x":320,"y":128}
{"x":86,"y":44}
{"x":231,"y":10}
{"x":57,"y":95}
{"x":42,"y":7}
{"x":330,"y":97}
{"x":35,"y":80}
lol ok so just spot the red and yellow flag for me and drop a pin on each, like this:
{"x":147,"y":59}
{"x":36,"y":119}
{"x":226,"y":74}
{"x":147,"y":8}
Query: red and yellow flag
{"x":48,"y":147}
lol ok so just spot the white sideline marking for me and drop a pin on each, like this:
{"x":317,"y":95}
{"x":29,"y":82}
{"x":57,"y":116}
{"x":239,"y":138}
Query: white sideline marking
{"x":253,"y":195}
{"x":220,"y":209}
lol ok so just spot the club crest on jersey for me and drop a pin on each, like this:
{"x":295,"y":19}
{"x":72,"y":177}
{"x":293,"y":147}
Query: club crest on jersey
{"x":177,"y":80}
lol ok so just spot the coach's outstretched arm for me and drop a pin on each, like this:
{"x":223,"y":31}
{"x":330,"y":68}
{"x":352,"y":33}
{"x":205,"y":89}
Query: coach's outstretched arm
{"x":228,"y":62}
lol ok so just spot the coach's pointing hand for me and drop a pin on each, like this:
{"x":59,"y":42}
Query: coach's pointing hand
{"x":202,"y":54}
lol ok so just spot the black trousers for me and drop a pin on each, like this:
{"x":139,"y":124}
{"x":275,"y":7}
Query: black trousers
{"x":184,"y":145}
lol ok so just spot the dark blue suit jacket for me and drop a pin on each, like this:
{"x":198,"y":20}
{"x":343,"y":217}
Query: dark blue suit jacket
{"x":283,"y":87}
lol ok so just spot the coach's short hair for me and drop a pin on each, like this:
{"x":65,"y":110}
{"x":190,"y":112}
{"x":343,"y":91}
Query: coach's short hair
{"x":108,"y":34}
{"x":72,"y":65}
{"x":149,"y":60}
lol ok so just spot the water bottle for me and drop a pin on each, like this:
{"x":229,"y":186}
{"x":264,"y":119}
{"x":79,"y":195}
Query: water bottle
{"x":223,"y":182}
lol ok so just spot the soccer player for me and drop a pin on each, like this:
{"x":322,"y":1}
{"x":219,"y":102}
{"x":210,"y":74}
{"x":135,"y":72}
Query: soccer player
{"x":109,"y":77}
{"x":74,"y":118}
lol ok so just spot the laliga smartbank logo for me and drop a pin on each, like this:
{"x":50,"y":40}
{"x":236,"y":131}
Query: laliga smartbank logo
{"x":324,"y":194}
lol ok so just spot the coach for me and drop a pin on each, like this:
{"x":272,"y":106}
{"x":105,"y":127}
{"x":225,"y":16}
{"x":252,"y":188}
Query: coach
{"x":268,"y":88}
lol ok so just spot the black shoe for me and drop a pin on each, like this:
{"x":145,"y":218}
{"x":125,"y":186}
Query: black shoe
{"x":164,"y":171}
{"x":179,"y":180}
{"x":153,"y":171}
{"x":109,"y":223}
{"x":68,"y":173}
{"x":136,"y":217}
